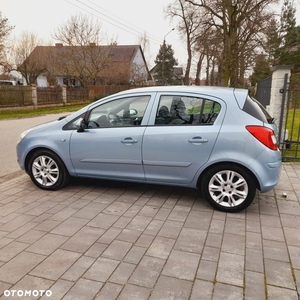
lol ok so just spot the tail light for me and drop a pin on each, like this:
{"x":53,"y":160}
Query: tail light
{"x":265,"y":135}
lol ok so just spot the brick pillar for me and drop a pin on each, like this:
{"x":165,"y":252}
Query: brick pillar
{"x":34,"y":95}
{"x":279,"y":96}
{"x":64,"y":94}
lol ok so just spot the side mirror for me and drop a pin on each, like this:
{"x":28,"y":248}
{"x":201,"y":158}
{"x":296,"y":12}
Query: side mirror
{"x":82,"y":126}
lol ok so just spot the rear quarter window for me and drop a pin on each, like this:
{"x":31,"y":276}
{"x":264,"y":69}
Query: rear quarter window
{"x":256,"y":110}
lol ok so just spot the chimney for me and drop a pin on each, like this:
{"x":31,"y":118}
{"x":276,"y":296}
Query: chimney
{"x":58,"y":45}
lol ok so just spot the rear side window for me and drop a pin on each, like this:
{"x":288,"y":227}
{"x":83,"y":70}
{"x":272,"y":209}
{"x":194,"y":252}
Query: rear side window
{"x":186,"y":110}
{"x":255,"y":109}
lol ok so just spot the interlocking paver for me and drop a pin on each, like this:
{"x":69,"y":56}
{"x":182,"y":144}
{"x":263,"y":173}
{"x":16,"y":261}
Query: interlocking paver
{"x":182,"y":265}
{"x":147,"y":272}
{"x":55,"y":264}
{"x":102,"y":269}
{"x":161,"y":247}
{"x":78,"y":268}
{"x":19,"y":266}
{"x":110,"y":291}
{"x":168,"y":288}
{"x":275,"y":293}
{"x":231,"y":269}
{"x":47,"y":244}
{"x":279,"y":274}
{"x":83,"y":239}
{"x":254,"y":286}
{"x":83,"y":289}
{"x":120,"y":241}
{"x":202,"y":290}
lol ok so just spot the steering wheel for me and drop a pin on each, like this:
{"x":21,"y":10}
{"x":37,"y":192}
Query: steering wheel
{"x":114,"y":119}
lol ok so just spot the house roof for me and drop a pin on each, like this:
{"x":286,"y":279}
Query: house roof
{"x":47,"y":57}
{"x":116,"y":52}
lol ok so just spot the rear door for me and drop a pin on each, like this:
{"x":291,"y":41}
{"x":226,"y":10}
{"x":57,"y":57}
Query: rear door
{"x":183,"y":133}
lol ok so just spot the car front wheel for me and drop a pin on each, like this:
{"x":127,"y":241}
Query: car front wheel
{"x":228,"y":188}
{"x":47,"y":171}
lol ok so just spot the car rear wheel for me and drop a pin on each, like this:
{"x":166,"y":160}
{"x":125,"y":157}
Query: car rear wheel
{"x":47,"y":171}
{"x":228,"y":188}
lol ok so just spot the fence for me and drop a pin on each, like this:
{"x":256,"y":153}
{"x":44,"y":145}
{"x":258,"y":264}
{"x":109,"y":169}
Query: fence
{"x":22,"y":96}
{"x":291,"y":139}
{"x":15,"y":96}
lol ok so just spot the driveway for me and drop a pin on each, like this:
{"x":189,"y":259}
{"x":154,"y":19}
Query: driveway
{"x":107,"y":240}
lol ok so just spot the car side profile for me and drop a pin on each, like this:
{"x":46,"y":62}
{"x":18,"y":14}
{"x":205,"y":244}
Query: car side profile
{"x":217,"y":139}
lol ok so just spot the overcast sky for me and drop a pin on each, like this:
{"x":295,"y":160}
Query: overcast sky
{"x":123,"y":20}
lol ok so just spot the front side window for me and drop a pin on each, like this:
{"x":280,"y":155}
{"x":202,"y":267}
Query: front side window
{"x":183,"y":110}
{"x":119,"y":113}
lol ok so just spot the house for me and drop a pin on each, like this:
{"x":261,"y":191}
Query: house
{"x":86,"y":65}
{"x":177,"y":76}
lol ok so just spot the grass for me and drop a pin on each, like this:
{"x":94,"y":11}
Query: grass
{"x":293,"y":127}
{"x":27,"y":113}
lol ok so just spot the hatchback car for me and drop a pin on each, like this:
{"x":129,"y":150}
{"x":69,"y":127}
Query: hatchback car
{"x":217,"y":139}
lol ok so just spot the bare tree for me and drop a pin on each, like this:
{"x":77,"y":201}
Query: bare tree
{"x":234,"y":19}
{"x":189,"y":25}
{"x":81,"y":58}
{"x":5,"y":30}
{"x":20,"y":60}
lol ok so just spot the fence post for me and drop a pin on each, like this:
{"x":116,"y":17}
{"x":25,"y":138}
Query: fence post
{"x":34,"y":95}
{"x":64,"y":94}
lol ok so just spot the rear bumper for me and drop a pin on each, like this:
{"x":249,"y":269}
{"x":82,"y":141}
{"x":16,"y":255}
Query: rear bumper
{"x":267,"y":170}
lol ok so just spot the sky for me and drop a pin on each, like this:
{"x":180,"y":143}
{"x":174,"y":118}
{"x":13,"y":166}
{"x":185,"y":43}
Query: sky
{"x":121,"y":20}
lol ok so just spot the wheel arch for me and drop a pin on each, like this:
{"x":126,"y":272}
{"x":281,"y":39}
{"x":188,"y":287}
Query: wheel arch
{"x":199,"y":181}
{"x":34,"y":150}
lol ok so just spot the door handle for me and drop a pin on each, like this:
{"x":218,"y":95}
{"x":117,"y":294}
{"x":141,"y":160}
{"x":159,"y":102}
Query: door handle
{"x":198,"y":140}
{"x":129,"y":140}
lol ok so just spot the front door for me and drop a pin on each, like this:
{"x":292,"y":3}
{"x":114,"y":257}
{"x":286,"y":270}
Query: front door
{"x":111,"y":145}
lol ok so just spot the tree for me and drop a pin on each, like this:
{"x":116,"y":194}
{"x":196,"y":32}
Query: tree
{"x":81,"y":58}
{"x":165,"y":63}
{"x":238,"y":22}
{"x":5,"y":30}
{"x":289,"y":50}
{"x":29,"y":67}
{"x":188,"y":27}
{"x":272,"y":41}
{"x":261,"y":69}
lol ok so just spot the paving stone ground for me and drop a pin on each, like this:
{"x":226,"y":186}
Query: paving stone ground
{"x":110,"y":240}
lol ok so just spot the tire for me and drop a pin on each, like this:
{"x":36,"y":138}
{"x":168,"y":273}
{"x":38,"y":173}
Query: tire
{"x":47,"y":171}
{"x":228,"y":188}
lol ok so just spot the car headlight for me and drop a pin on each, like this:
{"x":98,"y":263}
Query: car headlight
{"x":23,"y":134}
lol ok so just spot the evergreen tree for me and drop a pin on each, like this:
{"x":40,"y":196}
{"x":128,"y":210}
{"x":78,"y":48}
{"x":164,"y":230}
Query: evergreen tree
{"x":289,"y":50}
{"x":261,"y":69}
{"x":273,"y":41}
{"x":165,"y":63}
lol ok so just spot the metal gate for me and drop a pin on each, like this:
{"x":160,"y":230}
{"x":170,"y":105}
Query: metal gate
{"x":289,"y":125}
{"x":263,"y":91}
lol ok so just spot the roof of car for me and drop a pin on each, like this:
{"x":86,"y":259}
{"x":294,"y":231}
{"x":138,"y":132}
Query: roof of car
{"x":215,"y":90}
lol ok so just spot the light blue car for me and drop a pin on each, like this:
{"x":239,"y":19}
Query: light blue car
{"x":214,"y":138}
